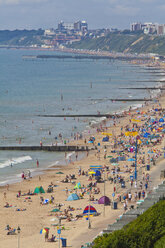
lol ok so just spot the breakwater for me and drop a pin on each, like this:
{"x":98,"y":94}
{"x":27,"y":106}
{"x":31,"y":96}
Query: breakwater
{"x":53,"y":148}
{"x":81,"y":57}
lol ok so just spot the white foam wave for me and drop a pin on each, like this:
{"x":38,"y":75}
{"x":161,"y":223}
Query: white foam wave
{"x":14,"y":161}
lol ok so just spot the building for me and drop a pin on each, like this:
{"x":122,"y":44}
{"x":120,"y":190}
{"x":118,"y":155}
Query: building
{"x":161,"y":29}
{"x":136,"y":26}
{"x":49,"y":32}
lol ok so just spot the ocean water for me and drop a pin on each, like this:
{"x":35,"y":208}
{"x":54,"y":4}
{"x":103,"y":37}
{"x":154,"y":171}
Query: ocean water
{"x":32,"y":87}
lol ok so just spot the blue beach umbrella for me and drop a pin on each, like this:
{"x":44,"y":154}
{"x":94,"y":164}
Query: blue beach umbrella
{"x":161,"y":120}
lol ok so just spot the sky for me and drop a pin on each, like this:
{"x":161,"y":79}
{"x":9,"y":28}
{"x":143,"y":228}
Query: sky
{"x":34,"y":14}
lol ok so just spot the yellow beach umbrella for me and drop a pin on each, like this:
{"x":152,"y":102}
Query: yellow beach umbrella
{"x":91,"y":172}
{"x":108,"y":134}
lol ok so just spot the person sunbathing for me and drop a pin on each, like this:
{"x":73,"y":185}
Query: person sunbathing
{"x":7,"y":205}
{"x":52,"y":239}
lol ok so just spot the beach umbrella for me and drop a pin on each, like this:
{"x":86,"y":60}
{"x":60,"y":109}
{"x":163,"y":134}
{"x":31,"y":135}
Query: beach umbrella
{"x":107,"y":134}
{"x":44,"y":230}
{"x":91,"y":172}
{"x":89,"y":209}
{"x":60,"y":172}
{"x":161,"y":120}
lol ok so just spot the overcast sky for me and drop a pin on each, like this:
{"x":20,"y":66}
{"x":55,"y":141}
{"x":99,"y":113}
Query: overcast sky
{"x":36,"y":14}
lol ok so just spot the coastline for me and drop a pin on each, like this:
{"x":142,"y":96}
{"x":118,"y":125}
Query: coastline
{"x":38,"y":217}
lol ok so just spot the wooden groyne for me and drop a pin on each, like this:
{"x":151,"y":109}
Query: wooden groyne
{"x":143,"y":88}
{"x":88,"y":116}
{"x":80,"y":57}
{"x":124,"y":99}
{"x":54,"y":148}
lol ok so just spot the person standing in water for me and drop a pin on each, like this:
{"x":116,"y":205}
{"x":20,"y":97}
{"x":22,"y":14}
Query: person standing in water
{"x":37,"y":163}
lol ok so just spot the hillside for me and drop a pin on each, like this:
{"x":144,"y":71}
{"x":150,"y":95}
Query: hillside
{"x":20,"y":37}
{"x":121,"y":42}
{"x":147,"y":231}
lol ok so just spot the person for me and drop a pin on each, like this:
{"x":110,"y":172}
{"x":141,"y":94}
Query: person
{"x":46,"y":235}
{"x":52,"y":199}
{"x":37,"y":163}
{"x":4,"y":195}
{"x":52,"y":239}
{"x":29,"y":174}
{"x":23,"y":175}
{"x":125,"y":206}
{"x":11,"y":165}
{"x":66,"y":190}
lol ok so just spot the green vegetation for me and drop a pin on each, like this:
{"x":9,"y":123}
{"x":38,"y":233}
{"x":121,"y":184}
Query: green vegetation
{"x":124,"y":42}
{"x":21,"y":37}
{"x":147,"y":231}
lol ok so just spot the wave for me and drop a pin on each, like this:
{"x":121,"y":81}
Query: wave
{"x":14,"y":161}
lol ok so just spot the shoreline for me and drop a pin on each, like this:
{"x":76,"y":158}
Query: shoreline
{"x":36,"y":216}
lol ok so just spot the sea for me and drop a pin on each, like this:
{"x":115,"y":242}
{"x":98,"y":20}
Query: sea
{"x":32,"y":87}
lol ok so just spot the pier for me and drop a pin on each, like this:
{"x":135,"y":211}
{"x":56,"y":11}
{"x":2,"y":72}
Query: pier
{"x":48,"y":148}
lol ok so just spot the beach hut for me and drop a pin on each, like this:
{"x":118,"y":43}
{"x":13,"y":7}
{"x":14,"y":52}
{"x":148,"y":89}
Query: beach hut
{"x":73,"y":197}
{"x":39,"y":190}
{"x":78,"y":186}
{"x":104,"y":200}
{"x":89,"y":210}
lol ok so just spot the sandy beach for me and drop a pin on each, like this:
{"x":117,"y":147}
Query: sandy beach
{"x":31,"y":215}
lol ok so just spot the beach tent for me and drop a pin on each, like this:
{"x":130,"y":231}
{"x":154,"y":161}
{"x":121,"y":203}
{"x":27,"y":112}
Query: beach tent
{"x":55,"y":210}
{"x":39,"y":190}
{"x":105,"y":139}
{"x":121,"y":158}
{"x":42,"y":190}
{"x":113,"y":160}
{"x":89,"y":210}
{"x":104,"y":200}
{"x":146,"y":135}
{"x":73,"y":197}
{"x":78,"y":186}
{"x":130,"y":159}
{"x":97,"y":173}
